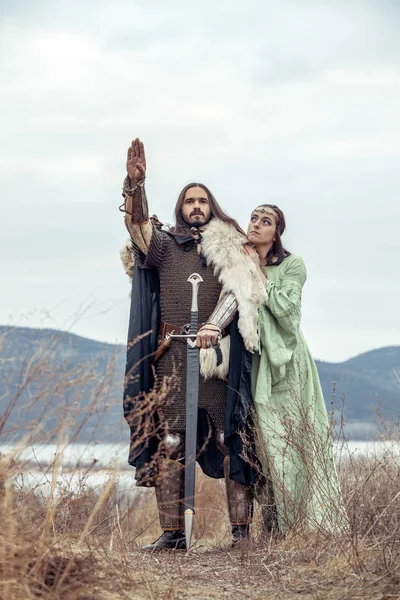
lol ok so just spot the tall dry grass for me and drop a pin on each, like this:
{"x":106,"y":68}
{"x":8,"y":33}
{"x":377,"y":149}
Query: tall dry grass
{"x":76,"y":543}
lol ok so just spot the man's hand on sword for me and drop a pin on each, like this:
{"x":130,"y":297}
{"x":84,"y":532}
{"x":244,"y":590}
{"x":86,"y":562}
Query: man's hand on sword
{"x":207,"y":337}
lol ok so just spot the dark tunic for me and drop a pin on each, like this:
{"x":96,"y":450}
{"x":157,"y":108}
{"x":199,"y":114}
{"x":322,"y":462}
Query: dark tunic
{"x":174,"y":262}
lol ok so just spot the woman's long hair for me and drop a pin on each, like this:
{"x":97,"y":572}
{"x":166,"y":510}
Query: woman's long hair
{"x":277,"y":251}
{"x":183,"y":229}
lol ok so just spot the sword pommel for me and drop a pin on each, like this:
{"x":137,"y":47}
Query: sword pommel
{"x":195,"y":280}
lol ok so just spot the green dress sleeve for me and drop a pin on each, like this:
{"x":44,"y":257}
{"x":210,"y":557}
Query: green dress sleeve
{"x":279,"y":317}
{"x":284,"y":298}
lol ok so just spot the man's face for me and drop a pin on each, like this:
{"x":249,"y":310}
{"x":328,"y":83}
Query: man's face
{"x":196,"y":210}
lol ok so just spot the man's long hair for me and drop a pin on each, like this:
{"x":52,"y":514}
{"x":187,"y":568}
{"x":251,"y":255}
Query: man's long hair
{"x":181,"y":228}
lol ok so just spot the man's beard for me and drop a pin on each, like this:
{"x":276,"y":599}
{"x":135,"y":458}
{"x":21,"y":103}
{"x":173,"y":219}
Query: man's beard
{"x":196,"y":220}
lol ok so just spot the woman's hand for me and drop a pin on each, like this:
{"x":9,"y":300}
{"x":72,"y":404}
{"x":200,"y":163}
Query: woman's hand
{"x":252,"y":253}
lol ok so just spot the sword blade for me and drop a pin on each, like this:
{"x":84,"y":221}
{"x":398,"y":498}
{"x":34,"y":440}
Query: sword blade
{"x":192,"y":400}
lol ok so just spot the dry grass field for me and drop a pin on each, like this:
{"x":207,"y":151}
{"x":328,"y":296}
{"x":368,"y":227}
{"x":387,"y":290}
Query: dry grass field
{"x":78,"y":544}
{"x":81,"y":545}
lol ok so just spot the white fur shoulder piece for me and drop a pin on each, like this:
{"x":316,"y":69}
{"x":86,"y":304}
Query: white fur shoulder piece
{"x":127,"y":257}
{"x":222,"y":247}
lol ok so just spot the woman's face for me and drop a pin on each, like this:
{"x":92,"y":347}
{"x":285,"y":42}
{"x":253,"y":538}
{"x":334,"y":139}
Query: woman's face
{"x":262,"y":226}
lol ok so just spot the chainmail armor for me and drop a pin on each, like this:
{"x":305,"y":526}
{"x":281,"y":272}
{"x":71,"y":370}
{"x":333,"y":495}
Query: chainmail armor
{"x":175,"y":263}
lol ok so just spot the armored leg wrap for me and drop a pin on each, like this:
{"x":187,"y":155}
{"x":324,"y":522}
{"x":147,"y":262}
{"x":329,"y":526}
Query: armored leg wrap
{"x":171,"y":485}
{"x":240,"y":497}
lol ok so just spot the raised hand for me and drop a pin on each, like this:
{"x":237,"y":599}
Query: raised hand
{"x":136,"y":161}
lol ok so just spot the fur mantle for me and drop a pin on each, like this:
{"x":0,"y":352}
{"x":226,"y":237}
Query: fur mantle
{"x":222,"y":247}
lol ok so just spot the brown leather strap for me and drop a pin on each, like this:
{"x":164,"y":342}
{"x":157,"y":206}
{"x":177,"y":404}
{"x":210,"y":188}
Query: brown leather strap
{"x":162,"y":347}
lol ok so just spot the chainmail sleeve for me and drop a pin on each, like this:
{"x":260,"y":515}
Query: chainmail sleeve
{"x":155,"y":251}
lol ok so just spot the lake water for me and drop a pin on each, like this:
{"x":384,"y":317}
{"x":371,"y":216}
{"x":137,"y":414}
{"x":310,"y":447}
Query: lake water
{"x":94,"y":464}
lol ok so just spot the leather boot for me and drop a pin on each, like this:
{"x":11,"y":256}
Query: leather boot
{"x":240,"y":533}
{"x":240,"y":506}
{"x":170,"y":503}
{"x":169,"y":540}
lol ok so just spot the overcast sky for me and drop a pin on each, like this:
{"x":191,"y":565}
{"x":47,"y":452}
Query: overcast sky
{"x":295,"y":103}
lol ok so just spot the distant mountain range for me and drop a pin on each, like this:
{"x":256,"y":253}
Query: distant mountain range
{"x":52,"y":378}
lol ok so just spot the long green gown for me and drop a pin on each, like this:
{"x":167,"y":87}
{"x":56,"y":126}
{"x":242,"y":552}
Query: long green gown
{"x":294,"y":441}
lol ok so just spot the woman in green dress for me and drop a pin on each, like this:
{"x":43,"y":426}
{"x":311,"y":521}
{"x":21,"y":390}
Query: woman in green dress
{"x":294,"y":441}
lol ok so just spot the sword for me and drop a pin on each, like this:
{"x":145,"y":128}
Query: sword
{"x":192,"y":400}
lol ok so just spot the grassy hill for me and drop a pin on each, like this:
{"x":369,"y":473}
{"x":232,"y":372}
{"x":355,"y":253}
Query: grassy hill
{"x":364,"y":383}
{"x":50,"y":377}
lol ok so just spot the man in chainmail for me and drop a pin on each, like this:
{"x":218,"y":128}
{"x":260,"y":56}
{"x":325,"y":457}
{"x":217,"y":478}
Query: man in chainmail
{"x":171,"y":257}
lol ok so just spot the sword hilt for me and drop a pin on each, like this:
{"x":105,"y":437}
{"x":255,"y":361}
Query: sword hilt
{"x":195,"y":280}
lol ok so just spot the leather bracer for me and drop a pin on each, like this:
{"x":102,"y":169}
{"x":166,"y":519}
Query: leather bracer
{"x":139,"y":211}
{"x":225,"y":311}
{"x":137,"y":214}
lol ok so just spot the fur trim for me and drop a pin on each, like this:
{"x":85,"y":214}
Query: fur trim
{"x":208,"y":360}
{"x":222,"y":247}
{"x":128,"y":258}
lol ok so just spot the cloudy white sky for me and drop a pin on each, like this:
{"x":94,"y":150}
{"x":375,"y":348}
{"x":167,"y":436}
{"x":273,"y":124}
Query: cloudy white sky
{"x":290,"y":102}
